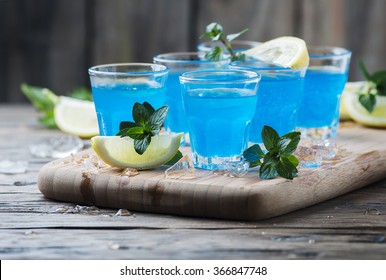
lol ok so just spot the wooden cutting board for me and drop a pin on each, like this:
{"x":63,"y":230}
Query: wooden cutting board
{"x":362,"y":161}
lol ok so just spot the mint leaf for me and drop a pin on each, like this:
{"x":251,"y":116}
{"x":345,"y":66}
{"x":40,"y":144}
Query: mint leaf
{"x":44,"y":101}
{"x":270,"y":137}
{"x":136,"y":133}
{"x":141,"y":145}
{"x":377,"y":86}
{"x":368,"y":101}
{"x":156,"y":120}
{"x":140,"y":113}
{"x":379,"y":78}
{"x":268,"y":170}
{"x":216,"y":54}
{"x":279,"y":160}
{"x":127,"y":125}
{"x":294,"y":160}
{"x":213,"y":30}
{"x":253,"y":155}
{"x":48,"y":120}
{"x":150,"y":109}
{"x":364,"y":71}
{"x":147,"y":123}
{"x":288,"y":143}
{"x":216,"y":33}
{"x":233,"y":36}
{"x":82,"y":94}
{"x":286,"y":169}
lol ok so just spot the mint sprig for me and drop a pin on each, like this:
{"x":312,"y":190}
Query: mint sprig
{"x":147,"y":123}
{"x":376,"y":86}
{"x":216,"y":33}
{"x":279,"y":159}
{"x":44,"y":100}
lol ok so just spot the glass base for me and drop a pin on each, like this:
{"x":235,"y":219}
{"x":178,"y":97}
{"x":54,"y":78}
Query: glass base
{"x":321,"y":139}
{"x":213,"y":163}
{"x":318,"y":133}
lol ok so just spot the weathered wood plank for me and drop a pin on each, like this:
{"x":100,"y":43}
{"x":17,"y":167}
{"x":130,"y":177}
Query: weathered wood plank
{"x":351,"y":226}
{"x":182,"y":244}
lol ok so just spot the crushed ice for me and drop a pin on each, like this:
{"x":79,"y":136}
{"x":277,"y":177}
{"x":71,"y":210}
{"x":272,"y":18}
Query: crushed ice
{"x":182,"y":169}
{"x":13,"y":167}
{"x":233,"y":168}
{"x":57,"y":146}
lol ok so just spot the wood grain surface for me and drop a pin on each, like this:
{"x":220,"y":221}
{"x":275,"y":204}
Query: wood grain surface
{"x":215,"y":196}
{"x":351,"y":226}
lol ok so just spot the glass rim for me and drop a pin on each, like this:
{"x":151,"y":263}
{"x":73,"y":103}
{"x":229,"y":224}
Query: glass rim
{"x":200,"y":76}
{"x":327,"y":52}
{"x":149,"y":69}
{"x":243,"y":66}
{"x":160,"y":59}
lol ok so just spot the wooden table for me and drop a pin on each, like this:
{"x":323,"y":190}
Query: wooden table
{"x":352,"y":226}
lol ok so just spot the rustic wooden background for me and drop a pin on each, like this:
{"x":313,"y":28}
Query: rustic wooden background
{"x":52,"y":43}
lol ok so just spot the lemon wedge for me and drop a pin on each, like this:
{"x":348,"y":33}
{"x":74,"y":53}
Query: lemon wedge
{"x":350,"y":87}
{"x":358,"y":113}
{"x":286,"y":51}
{"x":77,"y":117}
{"x":119,"y":151}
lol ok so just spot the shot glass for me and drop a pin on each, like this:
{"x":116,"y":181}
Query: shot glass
{"x":219,"y":106}
{"x":279,"y":97}
{"x":178,"y":63}
{"x":326,"y":76}
{"x":116,"y":87}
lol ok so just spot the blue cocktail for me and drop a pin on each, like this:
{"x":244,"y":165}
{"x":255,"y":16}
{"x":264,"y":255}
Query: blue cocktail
{"x":325,"y":79}
{"x":279,"y":97}
{"x":116,"y":87}
{"x":219,"y":106}
{"x":179,"y":63}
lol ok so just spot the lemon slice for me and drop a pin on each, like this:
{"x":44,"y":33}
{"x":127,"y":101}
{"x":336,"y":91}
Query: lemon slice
{"x":350,"y":87}
{"x":75,"y":116}
{"x":119,"y":151}
{"x":286,"y":51}
{"x":358,"y":113}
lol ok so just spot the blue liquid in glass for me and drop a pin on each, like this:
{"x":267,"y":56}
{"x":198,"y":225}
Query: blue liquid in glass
{"x":218,"y":120}
{"x":278,"y":101}
{"x":320,"y":105}
{"x":175,"y":119}
{"x":114,"y":104}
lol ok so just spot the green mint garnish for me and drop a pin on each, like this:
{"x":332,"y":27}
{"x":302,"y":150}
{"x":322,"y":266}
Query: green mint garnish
{"x":376,"y":86}
{"x":44,"y":100}
{"x":81,"y":93}
{"x":216,"y":33}
{"x":279,"y":160}
{"x":147,"y":123}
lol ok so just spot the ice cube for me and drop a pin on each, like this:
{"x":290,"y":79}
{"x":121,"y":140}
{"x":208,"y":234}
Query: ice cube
{"x":57,"y":146}
{"x":308,"y":157}
{"x":182,"y":169}
{"x":233,"y":168}
{"x":13,"y":167}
